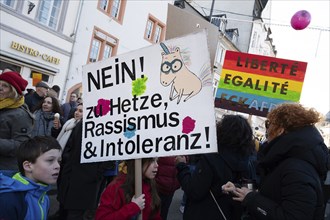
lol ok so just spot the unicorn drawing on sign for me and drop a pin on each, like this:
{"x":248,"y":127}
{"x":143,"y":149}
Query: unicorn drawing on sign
{"x":174,"y":72}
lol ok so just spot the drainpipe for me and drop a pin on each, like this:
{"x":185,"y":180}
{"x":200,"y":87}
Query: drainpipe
{"x":81,"y":3}
{"x":211,"y":11}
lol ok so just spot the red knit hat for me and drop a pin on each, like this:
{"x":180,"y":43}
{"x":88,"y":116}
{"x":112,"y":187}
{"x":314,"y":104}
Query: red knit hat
{"x":14,"y":79}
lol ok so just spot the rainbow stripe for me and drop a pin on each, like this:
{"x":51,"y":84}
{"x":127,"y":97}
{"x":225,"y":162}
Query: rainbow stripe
{"x":254,"y":84}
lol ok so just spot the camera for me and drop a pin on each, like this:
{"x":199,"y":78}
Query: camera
{"x":248,"y":183}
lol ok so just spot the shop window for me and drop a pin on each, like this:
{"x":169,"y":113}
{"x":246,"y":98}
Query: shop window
{"x":103,"y":46}
{"x":155,"y":30}
{"x":113,"y":8}
{"x":48,"y":13}
{"x":5,"y":65}
{"x":38,"y":76}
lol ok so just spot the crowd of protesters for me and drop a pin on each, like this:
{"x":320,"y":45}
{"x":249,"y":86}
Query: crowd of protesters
{"x":40,"y":146}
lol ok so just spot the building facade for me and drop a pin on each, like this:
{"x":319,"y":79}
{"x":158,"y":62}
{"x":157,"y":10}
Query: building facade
{"x":109,"y":28}
{"x":52,"y":40}
{"x":36,"y":38}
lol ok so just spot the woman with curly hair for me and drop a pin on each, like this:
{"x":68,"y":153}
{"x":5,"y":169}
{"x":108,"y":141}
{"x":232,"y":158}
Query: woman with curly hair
{"x":293,"y":165}
{"x":118,"y":200}
{"x":45,"y":117}
{"x":230,"y":163}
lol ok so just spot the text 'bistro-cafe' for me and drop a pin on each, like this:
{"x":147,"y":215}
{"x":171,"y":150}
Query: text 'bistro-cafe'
{"x":28,"y":64}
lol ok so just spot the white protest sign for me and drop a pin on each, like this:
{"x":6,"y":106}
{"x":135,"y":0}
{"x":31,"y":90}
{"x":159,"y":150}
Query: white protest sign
{"x":152,"y":102}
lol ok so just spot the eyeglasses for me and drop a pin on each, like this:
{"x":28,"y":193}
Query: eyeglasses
{"x":267,"y":123}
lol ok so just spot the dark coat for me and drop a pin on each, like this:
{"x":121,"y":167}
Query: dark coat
{"x":67,"y":108}
{"x":293,"y":166}
{"x":16,"y":126}
{"x":166,"y":180}
{"x":78,"y":184}
{"x":32,"y":100}
{"x":212,"y":171}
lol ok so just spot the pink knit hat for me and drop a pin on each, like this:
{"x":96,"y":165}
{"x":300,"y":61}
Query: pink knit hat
{"x":14,"y":79}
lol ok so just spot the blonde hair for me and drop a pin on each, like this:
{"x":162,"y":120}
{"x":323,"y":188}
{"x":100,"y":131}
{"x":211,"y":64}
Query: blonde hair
{"x":13,"y":93}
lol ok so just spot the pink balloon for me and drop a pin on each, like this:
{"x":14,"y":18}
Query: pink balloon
{"x":300,"y":20}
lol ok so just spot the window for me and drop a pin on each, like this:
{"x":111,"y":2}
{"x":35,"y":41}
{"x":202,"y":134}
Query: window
{"x":155,"y":30}
{"x":5,"y":65}
{"x":223,"y":25}
{"x":43,"y":77}
{"x":48,"y":12}
{"x":158,"y":33}
{"x":104,"y":5}
{"x":257,"y":9}
{"x":95,"y":50}
{"x":107,"y":51}
{"x":235,"y":36}
{"x":149,"y":28}
{"x":103,"y":46}
{"x":220,"y":21}
{"x":219,"y":56}
{"x":254,"y":39}
{"x":113,"y":8}
{"x":232,"y":34}
{"x":10,"y":3}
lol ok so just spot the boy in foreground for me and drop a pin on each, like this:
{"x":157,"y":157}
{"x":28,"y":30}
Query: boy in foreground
{"x":23,"y":195}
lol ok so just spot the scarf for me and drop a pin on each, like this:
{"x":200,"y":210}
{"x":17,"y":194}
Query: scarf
{"x":11,"y":103}
{"x":66,"y":131}
{"x":43,"y":124}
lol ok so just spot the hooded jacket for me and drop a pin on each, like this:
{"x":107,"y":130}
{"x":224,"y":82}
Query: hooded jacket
{"x":21,"y":198}
{"x":292,"y":166}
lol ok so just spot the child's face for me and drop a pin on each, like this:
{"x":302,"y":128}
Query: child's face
{"x":46,"y":168}
{"x":150,"y":170}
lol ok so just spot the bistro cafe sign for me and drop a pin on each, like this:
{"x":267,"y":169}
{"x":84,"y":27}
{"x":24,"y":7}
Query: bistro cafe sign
{"x":35,"y":53}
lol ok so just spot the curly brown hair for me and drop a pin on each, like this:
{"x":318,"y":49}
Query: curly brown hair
{"x":55,"y":103}
{"x":291,"y":116}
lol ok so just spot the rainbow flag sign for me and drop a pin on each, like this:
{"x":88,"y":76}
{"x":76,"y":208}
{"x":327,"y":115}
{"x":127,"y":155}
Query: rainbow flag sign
{"x":255,"y":84}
